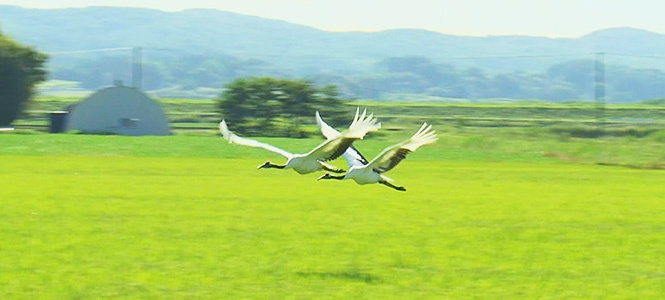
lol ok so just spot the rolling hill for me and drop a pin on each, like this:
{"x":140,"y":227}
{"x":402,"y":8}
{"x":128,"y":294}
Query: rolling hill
{"x":212,"y":31}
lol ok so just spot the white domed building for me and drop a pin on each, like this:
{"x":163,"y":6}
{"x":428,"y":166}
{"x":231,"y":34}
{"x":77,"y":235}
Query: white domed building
{"x":118,"y":110}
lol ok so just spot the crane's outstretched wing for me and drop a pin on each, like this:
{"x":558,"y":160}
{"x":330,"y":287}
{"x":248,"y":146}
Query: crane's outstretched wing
{"x":332,"y":148}
{"x":361,"y":125}
{"x":392,"y":155}
{"x":234,"y":139}
{"x":352,"y":156}
{"x":327,"y":130}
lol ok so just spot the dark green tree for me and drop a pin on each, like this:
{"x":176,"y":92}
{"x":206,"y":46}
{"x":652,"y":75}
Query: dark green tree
{"x":21,"y":68}
{"x":277,"y":107}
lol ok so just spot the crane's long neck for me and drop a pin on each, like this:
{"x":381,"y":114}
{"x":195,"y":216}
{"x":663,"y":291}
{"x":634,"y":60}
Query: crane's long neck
{"x":268,"y":165}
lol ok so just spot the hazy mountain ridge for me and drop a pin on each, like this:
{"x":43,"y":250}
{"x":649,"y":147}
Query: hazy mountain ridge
{"x":203,"y":41}
{"x":203,"y":30}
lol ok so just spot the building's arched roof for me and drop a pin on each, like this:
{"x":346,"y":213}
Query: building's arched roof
{"x":119,"y":110}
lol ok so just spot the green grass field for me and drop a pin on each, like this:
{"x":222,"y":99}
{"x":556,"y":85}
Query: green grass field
{"x":190,"y":217}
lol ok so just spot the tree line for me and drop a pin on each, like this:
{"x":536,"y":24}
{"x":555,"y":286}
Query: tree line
{"x":568,"y":80}
{"x":277,"y":106}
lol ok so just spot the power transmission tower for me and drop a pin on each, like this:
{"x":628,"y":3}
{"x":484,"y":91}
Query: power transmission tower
{"x":137,"y":67}
{"x":600,"y":88}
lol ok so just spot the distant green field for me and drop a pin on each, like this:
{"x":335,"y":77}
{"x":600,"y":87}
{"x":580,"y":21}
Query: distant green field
{"x":190,"y":217}
{"x":202,"y":113}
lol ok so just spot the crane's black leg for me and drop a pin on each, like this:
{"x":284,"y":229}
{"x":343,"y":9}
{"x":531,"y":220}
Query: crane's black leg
{"x":268,"y":165}
{"x":388,"y":184}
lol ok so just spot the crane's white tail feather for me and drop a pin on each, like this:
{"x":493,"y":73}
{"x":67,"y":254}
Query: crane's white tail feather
{"x":424,"y":136}
{"x":361,"y":125}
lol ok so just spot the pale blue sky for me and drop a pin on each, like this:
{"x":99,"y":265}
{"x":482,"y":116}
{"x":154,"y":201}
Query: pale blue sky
{"x":553,"y":18}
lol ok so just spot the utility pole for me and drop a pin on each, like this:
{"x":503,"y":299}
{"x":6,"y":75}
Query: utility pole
{"x":137,"y":65}
{"x":600,"y":88}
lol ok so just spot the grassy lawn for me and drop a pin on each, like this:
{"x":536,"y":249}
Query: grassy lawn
{"x":486,"y":215}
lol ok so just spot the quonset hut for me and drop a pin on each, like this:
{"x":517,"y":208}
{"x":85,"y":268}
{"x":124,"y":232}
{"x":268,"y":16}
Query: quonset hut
{"x":120,"y":110}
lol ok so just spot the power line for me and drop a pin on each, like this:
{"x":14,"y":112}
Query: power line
{"x":109,"y":50}
{"x":90,"y":50}
{"x":653,"y":56}
{"x":516,"y":56}
{"x":319,"y":57}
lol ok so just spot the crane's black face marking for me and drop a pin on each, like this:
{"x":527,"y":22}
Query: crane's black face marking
{"x":268,"y":165}
{"x":328,"y":176}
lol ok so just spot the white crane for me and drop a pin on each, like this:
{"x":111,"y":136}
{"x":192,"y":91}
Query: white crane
{"x":315,"y":159}
{"x":363,"y":172}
